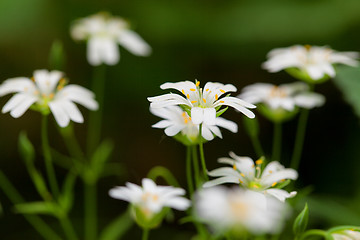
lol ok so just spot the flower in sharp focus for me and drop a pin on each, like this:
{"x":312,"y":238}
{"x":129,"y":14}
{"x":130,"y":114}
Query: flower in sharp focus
{"x":237,"y":211}
{"x":248,"y":174}
{"x":47,"y":91}
{"x":309,"y":63}
{"x":177,"y":122}
{"x":346,"y":235}
{"x":150,"y":199}
{"x":103,"y":32}
{"x":203,"y":104}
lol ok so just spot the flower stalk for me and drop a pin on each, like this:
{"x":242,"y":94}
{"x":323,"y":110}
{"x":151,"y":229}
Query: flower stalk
{"x":276,"y":151}
{"x":202,"y":156}
{"x":188,"y":171}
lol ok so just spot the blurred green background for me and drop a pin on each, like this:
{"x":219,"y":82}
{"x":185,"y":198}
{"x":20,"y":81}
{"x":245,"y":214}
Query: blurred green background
{"x":223,"y":41}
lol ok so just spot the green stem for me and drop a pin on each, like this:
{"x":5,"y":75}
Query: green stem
{"x":68,"y":229}
{"x":95,"y":118}
{"x":314,"y":232}
{"x":38,"y":224}
{"x":188,"y":171}
{"x":299,"y":140}
{"x":71,"y":142}
{"x":48,"y":159}
{"x":145,"y":235}
{"x":257,"y":146}
{"x":202,"y":157}
{"x":90,"y":203}
{"x":196,"y":166}
{"x":276,"y":151}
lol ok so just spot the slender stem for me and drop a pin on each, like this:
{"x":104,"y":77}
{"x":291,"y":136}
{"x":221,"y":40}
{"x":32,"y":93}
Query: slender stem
{"x":145,"y":235}
{"x":299,"y":140}
{"x":276,"y":152}
{"x":163,"y":172}
{"x":39,"y":225}
{"x":90,"y":202}
{"x":95,"y":118}
{"x":68,"y":229}
{"x":202,"y":157}
{"x":188,"y":171}
{"x":48,"y":159}
{"x":71,"y":142}
{"x":196,"y":166}
{"x":257,"y":146}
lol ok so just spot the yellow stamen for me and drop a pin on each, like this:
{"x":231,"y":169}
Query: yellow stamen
{"x":253,"y":166}
{"x":256,"y":186}
{"x":216,"y":97}
{"x":241,"y":174}
{"x":258,"y":162}
{"x":193,"y":101}
{"x":155,"y":198}
{"x":51,"y":95}
{"x":197,"y":83}
{"x":187,"y":95}
{"x":282,"y":180}
{"x":273,"y":185}
{"x":308,"y":47}
{"x":183,"y":91}
{"x":241,"y":181}
{"x":204,"y":100}
{"x":59,"y":87}
{"x":222,"y":101}
{"x":32,"y":79}
{"x":222,"y":91}
{"x":207,"y":90}
{"x":270,"y":171}
{"x":234,"y":167}
{"x":192,"y":89}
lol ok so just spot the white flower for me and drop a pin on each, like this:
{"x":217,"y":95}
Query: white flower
{"x":150,"y":198}
{"x":47,"y":90}
{"x":103,"y":32}
{"x":178,"y":121}
{"x":346,"y":235}
{"x":285,"y":96}
{"x":313,"y":60}
{"x":237,"y":209}
{"x":247,"y":173}
{"x":202,"y":102}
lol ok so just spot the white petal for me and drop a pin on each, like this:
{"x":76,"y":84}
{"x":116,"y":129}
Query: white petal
{"x":79,"y":95}
{"x":19,"y":84}
{"x":229,"y":125}
{"x":148,"y":185}
{"x":238,"y":104}
{"x":220,"y":181}
{"x":134,"y":43}
{"x":215,"y":130}
{"x":314,"y":72}
{"x":280,"y":194}
{"x":287,"y":173}
{"x":178,"y":203}
{"x":13,"y":102}
{"x":209,"y":116}
{"x":197,"y":115}
{"x":72,"y":111}
{"x":167,"y":100}
{"x":60,"y":115}
{"x":162,"y":124}
{"x":173,"y":130}
{"x":309,"y":100}
{"x":24,"y":105}
{"x":206,"y":133}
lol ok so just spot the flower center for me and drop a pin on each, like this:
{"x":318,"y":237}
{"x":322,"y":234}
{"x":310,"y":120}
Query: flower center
{"x":239,"y":209}
{"x":277,"y":92}
{"x":186,"y":118}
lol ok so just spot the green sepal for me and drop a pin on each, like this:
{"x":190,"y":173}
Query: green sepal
{"x":278,"y":115}
{"x":186,"y":108}
{"x":301,"y":221}
{"x":304,"y":76}
{"x":219,"y":113}
{"x":283,"y":184}
{"x":66,"y":198}
{"x":149,"y":221}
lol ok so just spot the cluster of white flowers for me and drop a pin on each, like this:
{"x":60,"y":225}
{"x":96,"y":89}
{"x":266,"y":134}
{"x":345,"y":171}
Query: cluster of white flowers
{"x":202,"y":104}
{"x":47,"y":91}
{"x":103,"y":32}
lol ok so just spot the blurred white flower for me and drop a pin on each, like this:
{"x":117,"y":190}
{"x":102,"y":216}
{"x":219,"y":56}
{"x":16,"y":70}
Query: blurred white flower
{"x":285,"y":96}
{"x":178,"y":121}
{"x":47,"y":90}
{"x":235,"y":210}
{"x":317,"y":62}
{"x":203,"y":104}
{"x":247,"y":173}
{"x":103,"y":32}
{"x":346,"y":235}
{"x":150,"y":198}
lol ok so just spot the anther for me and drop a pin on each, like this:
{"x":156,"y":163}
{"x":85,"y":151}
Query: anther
{"x":222,"y":91}
{"x":193,"y":101}
{"x":273,"y":185}
{"x":204,"y":100}
{"x":192,"y":89}
{"x":216,"y":97}
{"x":258,"y":162}
{"x":197,"y":83}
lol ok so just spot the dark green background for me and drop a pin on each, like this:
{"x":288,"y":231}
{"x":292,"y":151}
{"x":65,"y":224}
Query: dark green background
{"x":222,"y":41}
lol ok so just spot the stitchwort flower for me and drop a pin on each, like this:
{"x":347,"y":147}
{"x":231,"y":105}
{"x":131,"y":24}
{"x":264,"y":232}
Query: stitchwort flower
{"x":248,"y":174}
{"x":281,"y":102}
{"x":103,"y":32}
{"x":309,"y":63}
{"x":151,"y":202}
{"x":47,"y":92}
{"x":237,"y":211}
{"x":202,"y":104}
{"x":347,"y":234}
{"x":178,"y":123}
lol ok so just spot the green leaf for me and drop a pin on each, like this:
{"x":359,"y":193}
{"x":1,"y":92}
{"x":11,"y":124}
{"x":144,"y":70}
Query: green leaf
{"x":57,"y":56}
{"x":251,"y":126}
{"x":301,"y":221}
{"x":48,"y":208}
{"x":219,"y":113}
{"x":26,"y":148}
{"x":118,"y":227}
{"x":347,"y":80}
{"x":66,"y":198}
